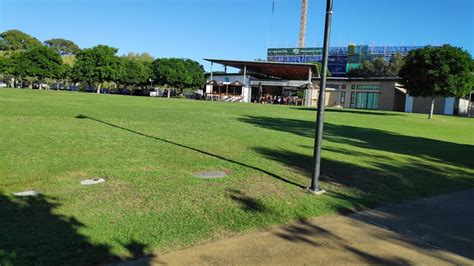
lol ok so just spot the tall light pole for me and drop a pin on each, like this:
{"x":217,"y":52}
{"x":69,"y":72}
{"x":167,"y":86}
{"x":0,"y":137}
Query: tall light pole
{"x":320,"y":113}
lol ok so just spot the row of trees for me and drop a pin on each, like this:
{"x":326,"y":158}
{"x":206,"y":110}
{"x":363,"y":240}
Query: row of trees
{"x":24,"y":56}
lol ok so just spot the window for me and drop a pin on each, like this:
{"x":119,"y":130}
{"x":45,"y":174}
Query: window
{"x":353,"y":95}
{"x":332,"y":86}
{"x":365,"y":100}
{"x":353,"y":87}
{"x":343,"y":98}
{"x":343,"y":87}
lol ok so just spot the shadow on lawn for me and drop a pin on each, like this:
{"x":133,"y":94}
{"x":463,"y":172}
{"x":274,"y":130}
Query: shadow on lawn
{"x":193,"y":149}
{"x":380,"y":140}
{"x":31,"y":233}
{"x":352,"y":111}
{"x":430,"y":171}
{"x":382,"y":180}
{"x":246,"y":203}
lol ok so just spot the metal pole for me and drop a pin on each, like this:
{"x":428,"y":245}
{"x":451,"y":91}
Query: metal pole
{"x":212,"y":78}
{"x":320,"y":114}
{"x":245,"y":84}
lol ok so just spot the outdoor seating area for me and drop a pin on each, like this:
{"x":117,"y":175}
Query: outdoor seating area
{"x":224,"y":91}
{"x":284,"y":100}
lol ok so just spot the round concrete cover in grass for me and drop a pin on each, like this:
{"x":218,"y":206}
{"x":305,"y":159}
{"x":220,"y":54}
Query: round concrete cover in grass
{"x":94,"y":181}
{"x":211,"y":174}
{"x":29,"y":193}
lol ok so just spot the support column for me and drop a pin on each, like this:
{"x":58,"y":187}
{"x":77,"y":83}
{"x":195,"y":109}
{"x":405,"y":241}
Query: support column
{"x":308,"y":90}
{"x":246,"y":90}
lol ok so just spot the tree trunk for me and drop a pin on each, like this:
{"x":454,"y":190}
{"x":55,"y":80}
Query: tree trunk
{"x":98,"y":88}
{"x":432,"y":107}
{"x":169,"y":93}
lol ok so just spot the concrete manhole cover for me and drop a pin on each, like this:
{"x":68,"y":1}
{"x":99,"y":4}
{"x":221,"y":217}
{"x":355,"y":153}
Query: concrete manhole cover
{"x":211,"y":174}
{"x":29,"y":193}
{"x":94,"y":181}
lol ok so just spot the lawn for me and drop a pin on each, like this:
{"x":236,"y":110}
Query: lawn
{"x":148,"y":150}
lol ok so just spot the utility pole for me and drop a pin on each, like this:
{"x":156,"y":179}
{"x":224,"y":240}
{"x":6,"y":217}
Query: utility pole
{"x":320,"y":113}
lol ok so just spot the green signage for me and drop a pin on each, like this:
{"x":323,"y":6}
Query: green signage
{"x":294,"y":51}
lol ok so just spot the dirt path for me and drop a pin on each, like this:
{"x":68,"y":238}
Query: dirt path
{"x":419,"y":232}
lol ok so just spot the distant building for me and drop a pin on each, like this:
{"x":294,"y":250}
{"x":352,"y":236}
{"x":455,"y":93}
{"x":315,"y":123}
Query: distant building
{"x":341,"y":59}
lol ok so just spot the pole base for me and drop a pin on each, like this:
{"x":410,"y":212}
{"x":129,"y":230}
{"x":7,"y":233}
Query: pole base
{"x":315,"y":192}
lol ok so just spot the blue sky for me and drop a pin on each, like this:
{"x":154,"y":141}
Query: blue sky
{"x":238,"y":29}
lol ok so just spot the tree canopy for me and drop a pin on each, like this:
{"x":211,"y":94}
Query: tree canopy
{"x":438,"y":71}
{"x":142,"y":57}
{"x":319,"y":66}
{"x":178,"y":73}
{"x":5,"y":65}
{"x":96,"y":65}
{"x":134,"y":72}
{"x":41,"y":62}
{"x":17,"y":40}
{"x":63,"y":46}
{"x":378,"y":67}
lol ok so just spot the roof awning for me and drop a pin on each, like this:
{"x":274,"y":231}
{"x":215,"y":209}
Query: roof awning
{"x":214,"y":82}
{"x":288,"y":71}
{"x":236,"y":83}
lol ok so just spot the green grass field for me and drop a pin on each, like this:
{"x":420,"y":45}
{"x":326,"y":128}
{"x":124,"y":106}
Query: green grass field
{"x":148,"y":149}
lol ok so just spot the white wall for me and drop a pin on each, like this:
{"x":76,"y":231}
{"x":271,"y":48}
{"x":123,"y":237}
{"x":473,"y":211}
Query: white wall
{"x":463,"y":106}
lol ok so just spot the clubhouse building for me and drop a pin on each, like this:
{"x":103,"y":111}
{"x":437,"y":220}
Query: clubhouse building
{"x":298,"y":84}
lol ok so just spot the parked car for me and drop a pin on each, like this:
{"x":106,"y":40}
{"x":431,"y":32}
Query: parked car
{"x":90,"y":89}
{"x":122,"y":91}
{"x":156,"y":92}
{"x":193,"y":95}
{"x":57,"y":86}
{"x":3,"y":85}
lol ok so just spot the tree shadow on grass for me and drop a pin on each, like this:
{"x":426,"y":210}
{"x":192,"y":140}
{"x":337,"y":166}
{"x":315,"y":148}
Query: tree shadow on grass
{"x":246,"y":203}
{"x":31,"y":233}
{"x":382,"y":180}
{"x":350,"y":111}
{"x":380,"y":140}
{"x":193,"y":149}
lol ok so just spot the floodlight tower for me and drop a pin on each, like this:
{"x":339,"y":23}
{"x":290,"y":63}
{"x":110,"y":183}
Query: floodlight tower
{"x":304,"y":13}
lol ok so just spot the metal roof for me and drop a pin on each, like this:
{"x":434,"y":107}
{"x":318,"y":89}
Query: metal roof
{"x":289,"y":71}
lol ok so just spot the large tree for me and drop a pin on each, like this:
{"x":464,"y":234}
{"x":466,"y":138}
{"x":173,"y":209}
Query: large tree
{"x":178,"y":73}
{"x":437,"y":71}
{"x":40,"y":62}
{"x":17,"y":40}
{"x":134,"y":72}
{"x":63,"y":46}
{"x":96,"y":65}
